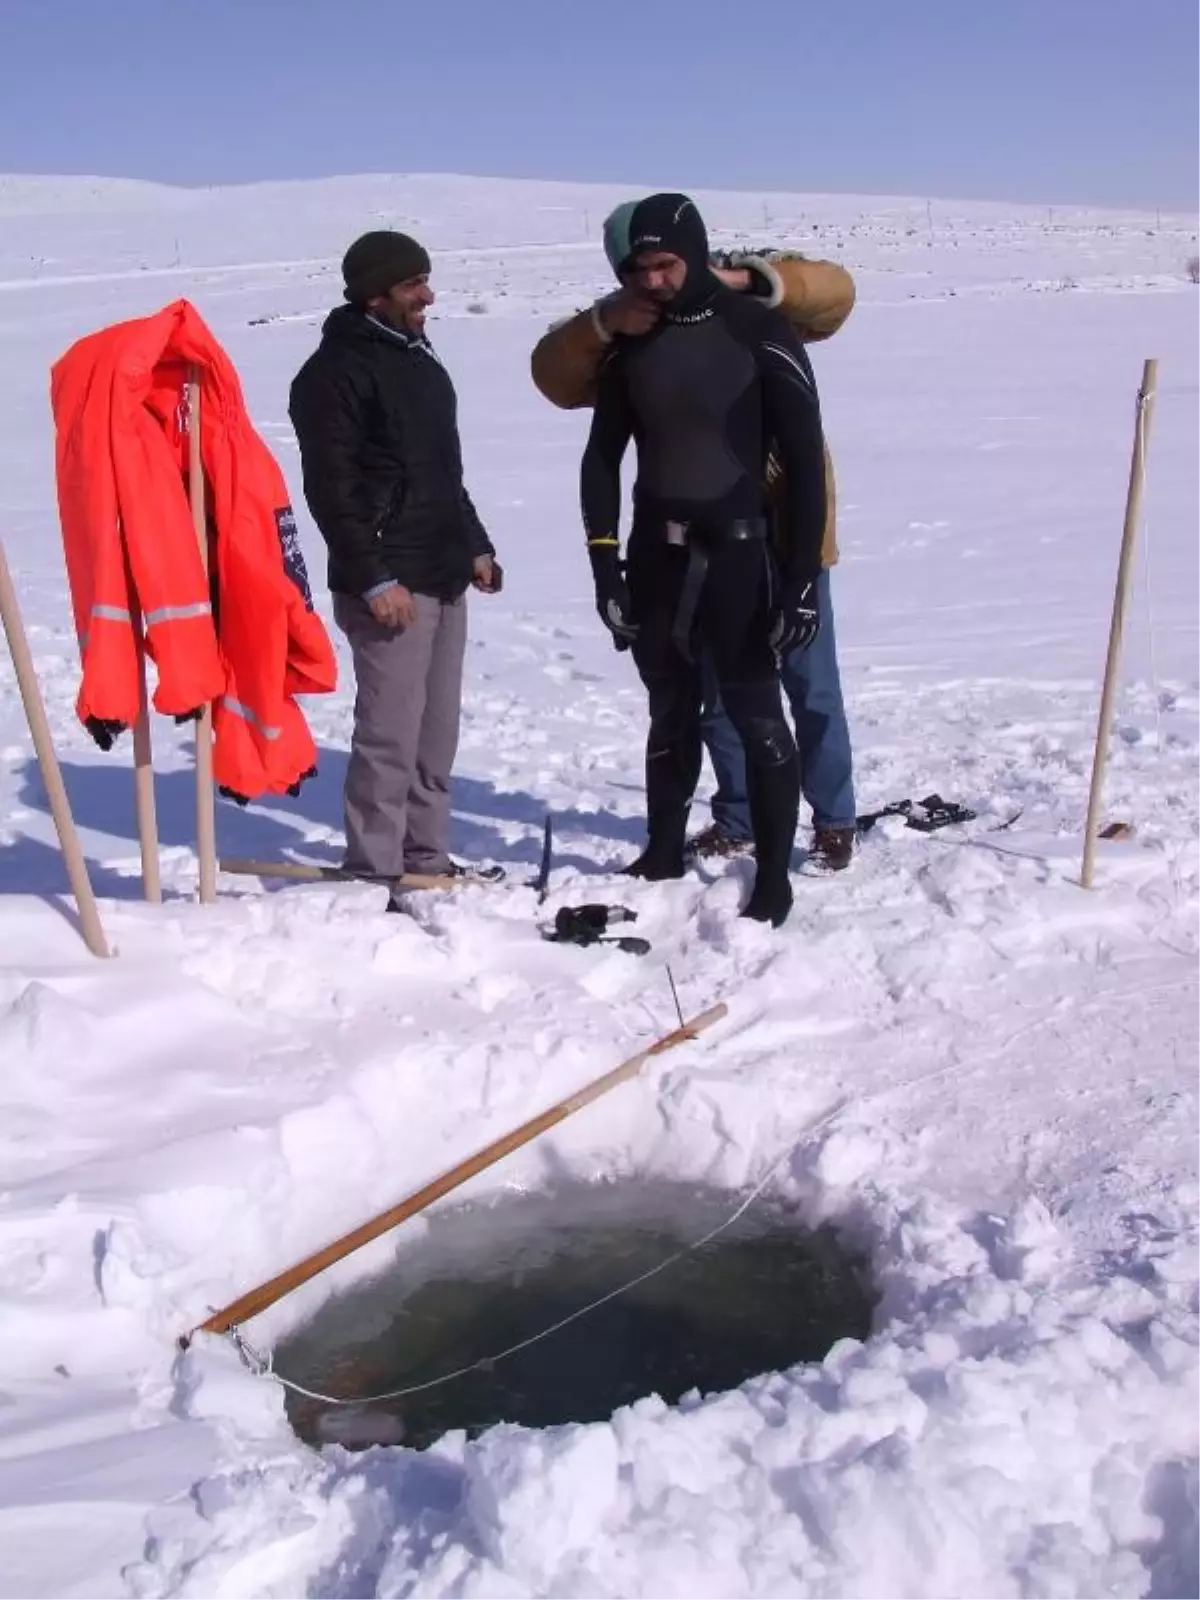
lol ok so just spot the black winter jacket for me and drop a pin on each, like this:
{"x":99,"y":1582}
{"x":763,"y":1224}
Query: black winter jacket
{"x":376,"y":418}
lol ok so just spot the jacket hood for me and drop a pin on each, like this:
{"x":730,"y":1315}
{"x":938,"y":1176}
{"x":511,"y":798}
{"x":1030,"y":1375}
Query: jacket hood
{"x":349,"y":325}
{"x":671,"y":222}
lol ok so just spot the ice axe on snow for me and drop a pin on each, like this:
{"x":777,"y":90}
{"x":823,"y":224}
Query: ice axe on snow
{"x":542,"y":882}
{"x":583,"y":925}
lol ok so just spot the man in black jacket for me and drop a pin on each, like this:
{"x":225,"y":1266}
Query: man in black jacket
{"x":706,"y":393}
{"x":376,"y":418}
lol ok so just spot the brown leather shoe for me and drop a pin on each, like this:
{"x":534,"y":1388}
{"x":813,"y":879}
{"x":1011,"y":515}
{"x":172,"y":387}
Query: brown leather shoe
{"x":714,"y":841}
{"x":832,"y":849}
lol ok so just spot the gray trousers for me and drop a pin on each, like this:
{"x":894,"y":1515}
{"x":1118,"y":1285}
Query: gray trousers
{"x":406,"y":715}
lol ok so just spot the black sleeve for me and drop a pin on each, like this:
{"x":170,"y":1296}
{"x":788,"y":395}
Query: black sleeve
{"x":600,"y":473}
{"x":792,"y":415}
{"x":329,"y":408}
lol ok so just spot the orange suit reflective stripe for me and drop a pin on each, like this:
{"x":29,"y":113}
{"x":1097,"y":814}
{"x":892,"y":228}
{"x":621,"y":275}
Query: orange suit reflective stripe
{"x":247,"y":640}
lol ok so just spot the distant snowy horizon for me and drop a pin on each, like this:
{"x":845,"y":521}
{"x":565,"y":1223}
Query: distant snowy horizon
{"x":124,"y":184}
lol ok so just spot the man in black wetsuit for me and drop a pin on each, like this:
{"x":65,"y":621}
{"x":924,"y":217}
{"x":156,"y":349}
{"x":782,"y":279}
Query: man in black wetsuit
{"x":706,"y":394}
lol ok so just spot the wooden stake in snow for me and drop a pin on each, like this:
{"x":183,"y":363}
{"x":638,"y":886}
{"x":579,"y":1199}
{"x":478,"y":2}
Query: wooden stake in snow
{"x":43,"y":744}
{"x":1133,"y":503}
{"x":268,"y":1293}
{"x":143,"y":784}
{"x":206,"y":821}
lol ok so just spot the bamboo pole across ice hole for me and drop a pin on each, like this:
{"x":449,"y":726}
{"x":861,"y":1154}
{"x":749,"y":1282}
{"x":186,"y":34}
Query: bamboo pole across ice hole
{"x":206,"y":819}
{"x":1133,"y":505}
{"x":267,"y":1294}
{"x":43,"y":744}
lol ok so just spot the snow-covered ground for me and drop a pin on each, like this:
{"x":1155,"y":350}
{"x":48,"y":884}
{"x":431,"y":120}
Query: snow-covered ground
{"x":984,"y":1075}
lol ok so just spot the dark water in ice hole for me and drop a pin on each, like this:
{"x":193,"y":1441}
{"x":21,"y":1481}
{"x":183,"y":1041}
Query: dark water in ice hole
{"x":761,"y":1297}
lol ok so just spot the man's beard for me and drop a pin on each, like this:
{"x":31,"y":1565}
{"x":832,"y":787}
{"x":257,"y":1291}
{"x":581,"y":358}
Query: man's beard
{"x":405,"y":320}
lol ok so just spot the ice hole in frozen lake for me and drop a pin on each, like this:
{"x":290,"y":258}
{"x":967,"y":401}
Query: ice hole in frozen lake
{"x":762,"y":1296}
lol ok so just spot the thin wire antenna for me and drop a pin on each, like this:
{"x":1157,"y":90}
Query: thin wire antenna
{"x":675,"y":997}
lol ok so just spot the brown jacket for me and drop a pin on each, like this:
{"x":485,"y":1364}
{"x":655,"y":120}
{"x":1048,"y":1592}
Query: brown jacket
{"x":815,"y":296}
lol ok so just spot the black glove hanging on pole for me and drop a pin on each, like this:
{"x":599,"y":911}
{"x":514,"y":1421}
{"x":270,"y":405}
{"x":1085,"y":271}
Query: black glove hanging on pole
{"x":612,"y":595}
{"x":798,"y":618}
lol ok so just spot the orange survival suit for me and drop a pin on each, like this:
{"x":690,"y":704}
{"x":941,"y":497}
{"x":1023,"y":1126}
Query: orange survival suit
{"x":247,"y":641}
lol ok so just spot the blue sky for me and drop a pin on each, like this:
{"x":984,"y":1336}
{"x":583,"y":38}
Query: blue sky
{"x":1087,"y":101}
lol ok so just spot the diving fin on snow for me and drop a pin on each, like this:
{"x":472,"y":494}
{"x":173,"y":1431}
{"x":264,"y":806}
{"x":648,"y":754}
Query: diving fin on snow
{"x":926,"y":816}
{"x":933,"y":812}
{"x":588,"y":925}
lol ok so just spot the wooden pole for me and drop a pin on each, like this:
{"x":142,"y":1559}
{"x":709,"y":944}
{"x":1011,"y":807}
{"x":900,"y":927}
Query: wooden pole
{"x":43,"y":744}
{"x":250,"y":1305}
{"x":143,"y":780}
{"x":1133,"y":504}
{"x":206,"y":819}
{"x":308,"y":872}
{"x":143,"y":762}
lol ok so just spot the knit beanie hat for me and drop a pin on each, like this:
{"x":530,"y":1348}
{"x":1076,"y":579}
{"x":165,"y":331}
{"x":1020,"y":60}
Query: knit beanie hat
{"x":378,"y":261}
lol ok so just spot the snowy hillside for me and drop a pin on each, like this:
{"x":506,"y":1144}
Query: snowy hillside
{"x":983,"y":1075}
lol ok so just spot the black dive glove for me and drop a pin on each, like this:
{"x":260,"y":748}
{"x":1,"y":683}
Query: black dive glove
{"x":797,"y":620}
{"x":612,"y":594}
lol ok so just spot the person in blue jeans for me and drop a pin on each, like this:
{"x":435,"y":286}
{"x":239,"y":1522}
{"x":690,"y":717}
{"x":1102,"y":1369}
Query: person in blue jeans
{"x":813,"y":687}
{"x":816,"y":297}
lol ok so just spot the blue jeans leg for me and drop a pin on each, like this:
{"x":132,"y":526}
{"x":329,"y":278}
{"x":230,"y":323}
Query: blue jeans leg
{"x":813,"y":686}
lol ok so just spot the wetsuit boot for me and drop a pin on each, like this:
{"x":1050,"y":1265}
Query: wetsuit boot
{"x":671,"y":775}
{"x":774,"y":794}
{"x":663,"y":857}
